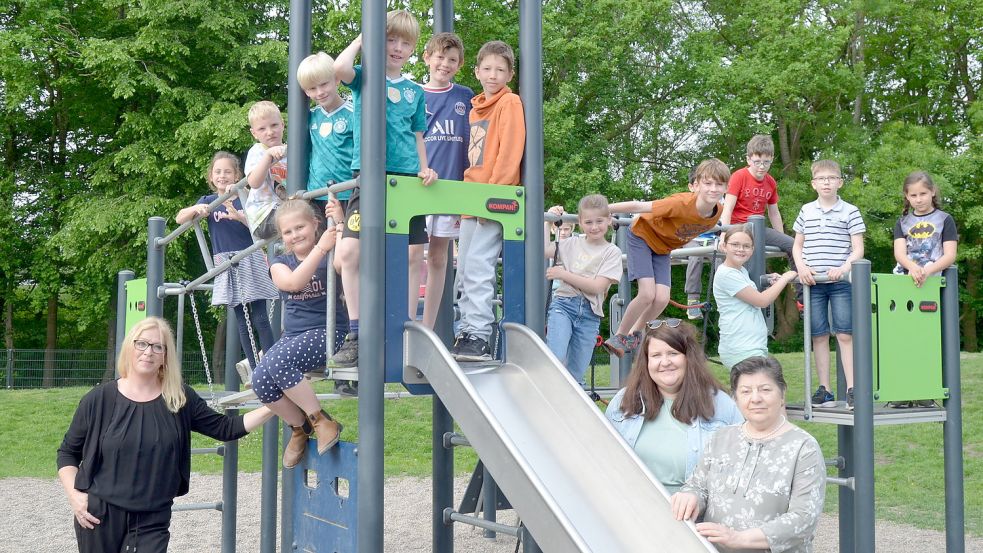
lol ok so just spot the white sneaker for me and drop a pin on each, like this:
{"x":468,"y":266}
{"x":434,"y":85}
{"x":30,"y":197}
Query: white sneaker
{"x":245,"y":372}
{"x":694,"y":312}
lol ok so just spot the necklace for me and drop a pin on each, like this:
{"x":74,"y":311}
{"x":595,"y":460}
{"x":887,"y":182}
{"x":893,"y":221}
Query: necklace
{"x":769,"y":435}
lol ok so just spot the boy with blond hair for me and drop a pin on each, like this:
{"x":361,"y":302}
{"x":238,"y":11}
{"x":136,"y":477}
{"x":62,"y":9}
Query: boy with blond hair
{"x":446,"y":139}
{"x":829,"y":237}
{"x":406,"y":154}
{"x":495,"y":148}
{"x":662,"y":226}
{"x":266,"y":162}
{"x":331,"y":126}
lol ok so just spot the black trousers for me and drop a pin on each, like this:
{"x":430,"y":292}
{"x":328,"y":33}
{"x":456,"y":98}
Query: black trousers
{"x":122,"y":531}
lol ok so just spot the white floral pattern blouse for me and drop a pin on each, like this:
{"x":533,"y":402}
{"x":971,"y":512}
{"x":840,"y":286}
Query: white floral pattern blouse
{"x":777,"y":485}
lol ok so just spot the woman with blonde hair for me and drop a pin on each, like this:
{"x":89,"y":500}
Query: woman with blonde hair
{"x":127,"y":453}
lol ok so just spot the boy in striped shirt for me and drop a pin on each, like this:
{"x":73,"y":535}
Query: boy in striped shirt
{"x":829,"y":236}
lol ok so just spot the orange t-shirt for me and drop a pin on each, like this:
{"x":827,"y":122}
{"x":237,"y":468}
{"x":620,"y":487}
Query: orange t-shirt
{"x":673,"y":222}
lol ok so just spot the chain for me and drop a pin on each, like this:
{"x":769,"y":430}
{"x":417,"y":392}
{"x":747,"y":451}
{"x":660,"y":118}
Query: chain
{"x":201,"y":344}
{"x":245,"y":310}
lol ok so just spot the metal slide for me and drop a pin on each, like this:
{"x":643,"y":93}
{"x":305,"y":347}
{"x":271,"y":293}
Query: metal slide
{"x":573,"y":481}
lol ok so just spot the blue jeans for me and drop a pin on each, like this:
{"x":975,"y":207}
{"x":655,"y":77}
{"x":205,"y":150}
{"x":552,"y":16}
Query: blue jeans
{"x":571,"y":332}
{"x":837,"y":299}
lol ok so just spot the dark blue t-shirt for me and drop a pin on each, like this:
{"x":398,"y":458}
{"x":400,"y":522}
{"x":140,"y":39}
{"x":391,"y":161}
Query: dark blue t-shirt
{"x":306,"y":309}
{"x":448,"y":130}
{"x":227,"y":235}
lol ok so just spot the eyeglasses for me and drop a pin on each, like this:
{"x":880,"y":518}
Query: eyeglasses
{"x":824,"y":180}
{"x":142,"y":345}
{"x":762,"y":162}
{"x":740,"y":247}
{"x":671,"y":323}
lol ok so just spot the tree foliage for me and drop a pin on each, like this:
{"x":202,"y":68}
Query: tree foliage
{"x":110,"y":109}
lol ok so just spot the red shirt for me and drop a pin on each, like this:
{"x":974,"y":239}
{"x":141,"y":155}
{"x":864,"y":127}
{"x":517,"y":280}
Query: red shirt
{"x":753,"y":196}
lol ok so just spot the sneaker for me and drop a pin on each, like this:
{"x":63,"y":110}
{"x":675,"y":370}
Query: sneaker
{"x":899,"y":404}
{"x":694,"y":312}
{"x":926,"y":403}
{"x":822,"y":397}
{"x":347,"y":354}
{"x":616,"y":345}
{"x":849,"y":399}
{"x":632,"y":341}
{"x":245,"y":372}
{"x":346,"y":388}
{"x":472,"y":348}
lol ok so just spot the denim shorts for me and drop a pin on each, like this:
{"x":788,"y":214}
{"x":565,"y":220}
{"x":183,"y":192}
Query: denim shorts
{"x":645,"y":263}
{"x":836,"y":298}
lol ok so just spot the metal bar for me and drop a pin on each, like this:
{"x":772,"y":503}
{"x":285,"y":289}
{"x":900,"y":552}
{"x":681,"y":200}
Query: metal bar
{"x":122,"y":278}
{"x":453,"y":439}
{"x":489,"y":494}
{"x":332,"y":189}
{"x":268,"y":486}
{"x":756,"y":265}
{"x":298,"y":104}
{"x":952,"y":429}
{"x":807,"y":349}
{"x":230,"y":463}
{"x":180,"y":327}
{"x":450,"y":515}
{"x":207,"y":450}
{"x":232,"y":192}
{"x":863,"y":411}
{"x":844,"y":440}
{"x":214,"y":505}
{"x":179,"y":290}
{"x":443,"y":477}
{"x":155,"y":266}
{"x":10,"y":368}
{"x":845,"y":482}
{"x":371,"y":496}
{"x":531,"y":77}
{"x":206,"y":255}
{"x":219,"y":269}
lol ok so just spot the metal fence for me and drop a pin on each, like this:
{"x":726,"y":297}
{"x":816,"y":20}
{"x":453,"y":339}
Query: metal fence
{"x":25,"y":368}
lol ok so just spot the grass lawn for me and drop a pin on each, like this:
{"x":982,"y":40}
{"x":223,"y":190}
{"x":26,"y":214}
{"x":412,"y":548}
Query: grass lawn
{"x":909,"y":477}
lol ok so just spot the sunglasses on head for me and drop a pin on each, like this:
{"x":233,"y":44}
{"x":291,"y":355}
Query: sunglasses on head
{"x":656,"y":323}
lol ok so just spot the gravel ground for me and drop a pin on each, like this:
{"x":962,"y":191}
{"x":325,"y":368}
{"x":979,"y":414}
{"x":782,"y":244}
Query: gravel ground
{"x":31,"y":503}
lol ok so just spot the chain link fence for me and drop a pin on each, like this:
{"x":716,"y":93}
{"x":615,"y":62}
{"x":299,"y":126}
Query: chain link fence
{"x":25,"y":368}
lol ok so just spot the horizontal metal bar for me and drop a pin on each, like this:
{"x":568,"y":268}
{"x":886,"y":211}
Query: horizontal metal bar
{"x":215,"y":505}
{"x":450,"y":515}
{"x":230,"y":193}
{"x":219,"y":269}
{"x":220,"y":450}
{"x":838,"y":462}
{"x":333,"y":189}
{"x":453,"y":439}
{"x":845,"y":482}
{"x":180,"y":289}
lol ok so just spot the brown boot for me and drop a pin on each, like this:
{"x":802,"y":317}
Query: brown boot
{"x":293,"y":452}
{"x":327,"y":429}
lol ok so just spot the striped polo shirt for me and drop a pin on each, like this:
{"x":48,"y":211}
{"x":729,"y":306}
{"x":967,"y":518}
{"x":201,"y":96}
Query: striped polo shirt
{"x":827,"y":233}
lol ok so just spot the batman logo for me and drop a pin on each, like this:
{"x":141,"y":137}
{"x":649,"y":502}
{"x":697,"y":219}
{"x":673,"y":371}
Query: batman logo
{"x":922,"y":230}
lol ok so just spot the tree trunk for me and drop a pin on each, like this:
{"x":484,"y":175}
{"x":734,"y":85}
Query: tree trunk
{"x":50,"y":343}
{"x":8,"y":322}
{"x":970,"y":317}
{"x":858,"y":65}
{"x":786,"y":315}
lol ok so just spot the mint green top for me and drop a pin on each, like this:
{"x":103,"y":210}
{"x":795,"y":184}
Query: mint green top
{"x":662,"y":445}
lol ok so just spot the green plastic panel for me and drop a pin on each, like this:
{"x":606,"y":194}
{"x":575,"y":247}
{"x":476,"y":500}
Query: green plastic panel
{"x":907,"y":333}
{"x":136,"y":302}
{"x":407,"y":198}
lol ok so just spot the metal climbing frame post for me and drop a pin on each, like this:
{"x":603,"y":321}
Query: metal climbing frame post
{"x":952,"y":428}
{"x":155,"y":266}
{"x":862,"y":459}
{"x":230,"y":462}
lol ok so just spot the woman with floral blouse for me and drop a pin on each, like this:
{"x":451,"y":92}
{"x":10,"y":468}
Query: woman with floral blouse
{"x":759,"y":486}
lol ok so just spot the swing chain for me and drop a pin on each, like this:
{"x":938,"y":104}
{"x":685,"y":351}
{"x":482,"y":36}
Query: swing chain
{"x":201,"y":344}
{"x":233,"y":270}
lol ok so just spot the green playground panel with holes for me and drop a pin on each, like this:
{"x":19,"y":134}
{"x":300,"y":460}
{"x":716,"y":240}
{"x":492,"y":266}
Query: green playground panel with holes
{"x":407,"y":198}
{"x":907,"y":336}
{"x":136,"y":302}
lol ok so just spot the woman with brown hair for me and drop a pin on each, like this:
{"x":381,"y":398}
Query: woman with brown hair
{"x":672,"y":405}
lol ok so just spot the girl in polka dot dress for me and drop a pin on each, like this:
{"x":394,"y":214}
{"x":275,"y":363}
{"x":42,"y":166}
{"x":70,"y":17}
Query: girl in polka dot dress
{"x":301,"y":276}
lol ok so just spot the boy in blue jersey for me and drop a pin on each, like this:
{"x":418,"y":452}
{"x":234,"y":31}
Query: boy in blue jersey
{"x":446,"y":139}
{"x":405,"y":155}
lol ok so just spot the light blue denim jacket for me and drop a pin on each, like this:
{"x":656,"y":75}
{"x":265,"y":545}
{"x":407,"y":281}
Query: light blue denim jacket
{"x":725,"y":413}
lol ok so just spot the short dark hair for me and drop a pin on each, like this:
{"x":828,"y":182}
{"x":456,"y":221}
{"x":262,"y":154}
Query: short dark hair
{"x":767,"y":365}
{"x":761,"y":145}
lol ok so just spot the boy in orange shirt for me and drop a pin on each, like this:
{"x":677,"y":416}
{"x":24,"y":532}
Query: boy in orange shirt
{"x":662,"y":226}
{"x":495,"y":148}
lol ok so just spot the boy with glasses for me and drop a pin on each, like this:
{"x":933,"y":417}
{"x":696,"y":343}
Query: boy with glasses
{"x":752,"y":191}
{"x":829,"y":237}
